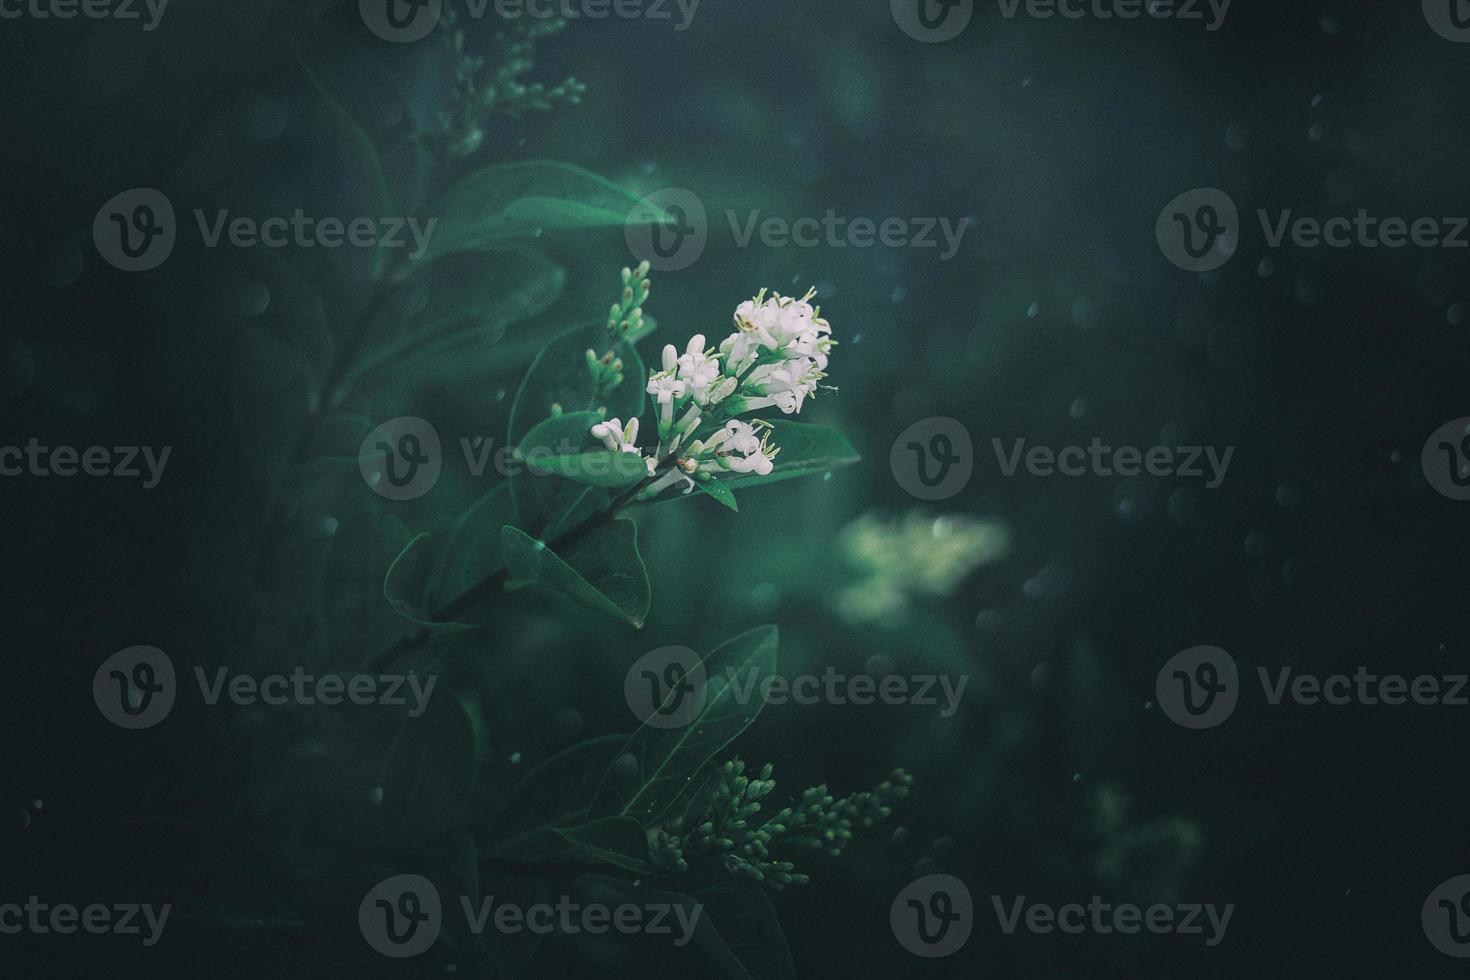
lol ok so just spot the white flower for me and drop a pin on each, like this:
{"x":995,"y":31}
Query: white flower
{"x":786,"y":385}
{"x":782,"y":325}
{"x":699,"y":368}
{"x":665,"y":386}
{"x":618,"y":438}
{"x":742,"y":437}
{"x":742,"y":449}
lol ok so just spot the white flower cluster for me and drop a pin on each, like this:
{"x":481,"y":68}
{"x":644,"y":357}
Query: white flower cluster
{"x":775,"y":358}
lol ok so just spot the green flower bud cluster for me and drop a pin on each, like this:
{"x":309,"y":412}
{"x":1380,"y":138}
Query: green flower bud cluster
{"x":489,"y":86}
{"x":626,"y":317}
{"x":624,"y":320}
{"x":727,"y":824}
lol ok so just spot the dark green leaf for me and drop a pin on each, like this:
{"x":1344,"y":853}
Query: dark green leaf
{"x":600,"y":468}
{"x":474,"y":550}
{"x":602,"y":572}
{"x":515,"y":200}
{"x":613,"y":840}
{"x":559,"y":376}
{"x":716,"y":488}
{"x":541,"y":499}
{"x":553,"y":793}
{"x":406,"y":585}
{"x":746,"y":925}
{"x":432,"y":764}
{"x":159,"y":859}
{"x":669,"y":759}
{"x":461,"y":306}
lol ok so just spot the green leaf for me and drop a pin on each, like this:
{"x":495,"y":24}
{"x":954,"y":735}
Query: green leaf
{"x":806,"y":450}
{"x":515,"y":200}
{"x":406,"y":585}
{"x":602,"y":572}
{"x":717,"y":489}
{"x":456,"y":311}
{"x":356,"y":619}
{"x":602,"y":468}
{"x":430,"y":770}
{"x":701,"y":953}
{"x":613,"y":840}
{"x":174,"y":861}
{"x":669,"y":759}
{"x":540,"y":499}
{"x":474,"y":550}
{"x":557,"y":792}
{"x":745,"y":926}
{"x":358,"y":167}
{"x":559,"y":376}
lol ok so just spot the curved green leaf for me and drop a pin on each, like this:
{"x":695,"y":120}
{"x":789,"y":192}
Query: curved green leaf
{"x":620,"y":841}
{"x":668,"y":760}
{"x":515,"y":200}
{"x":602,"y":572}
{"x":406,"y":584}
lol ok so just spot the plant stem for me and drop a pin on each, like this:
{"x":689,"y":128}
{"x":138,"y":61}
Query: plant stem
{"x":495,"y":581}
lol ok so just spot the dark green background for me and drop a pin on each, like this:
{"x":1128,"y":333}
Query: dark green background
{"x":1061,"y":141}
